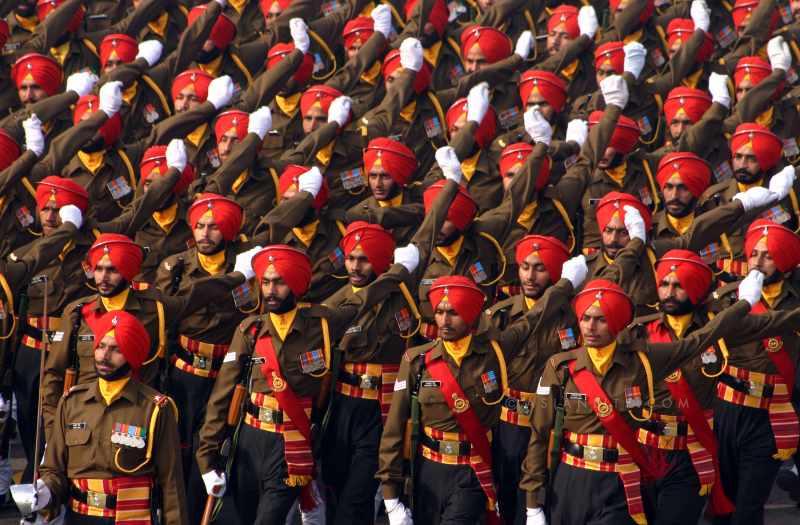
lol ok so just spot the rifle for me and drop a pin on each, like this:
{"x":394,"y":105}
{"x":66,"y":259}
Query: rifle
{"x":412,"y":433}
{"x":16,"y":339}
{"x":71,"y":374}
{"x":176,"y":276}
{"x":556,"y":435}
{"x":333,"y":377}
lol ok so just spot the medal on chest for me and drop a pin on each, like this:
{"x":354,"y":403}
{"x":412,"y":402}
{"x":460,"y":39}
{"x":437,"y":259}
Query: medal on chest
{"x":129,"y":435}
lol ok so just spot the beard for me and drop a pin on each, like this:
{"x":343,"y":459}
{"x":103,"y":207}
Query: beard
{"x":93,"y":146}
{"x":286,"y":305}
{"x":776,"y":277}
{"x":204,"y":57}
{"x":685,"y":210}
{"x":122,"y":285}
{"x":745,"y":177}
{"x":450,"y":239}
{"x":428,"y":40}
{"x":119,"y":373}
{"x":220,"y":246}
{"x":672,"y":306}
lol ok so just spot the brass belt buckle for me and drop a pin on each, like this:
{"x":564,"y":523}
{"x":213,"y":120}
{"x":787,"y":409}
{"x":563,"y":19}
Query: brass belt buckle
{"x":593,"y":453}
{"x":449,"y":447}
{"x":670,"y":429}
{"x":367,"y":382}
{"x":524,"y":408}
{"x":267,"y":415}
{"x":756,"y":389}
{"x":96,"y":499}
{"x":200,"y":361}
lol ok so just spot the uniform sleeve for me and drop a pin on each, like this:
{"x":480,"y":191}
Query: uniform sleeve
{"x":202,"y":292}
{"x":57,"y":362}
{"x":680,"y":65}
{"x":626,"y":264}
{"x":566,"y":55}
{"x":67,"y":144}
{"x":50,"y":30}
{"x":276,"y":224}
{"x":347,"y":77}
{"x":390,"y":452}
{"x":379,"y":121}
{"x":19,"y":273}
{"x":169,"y":470}
{"x":268,"y":83}
{"x":241,"y":158}
{"x":425,"y":238}
{"x":706,"y":228}
{"x":54,"y":467}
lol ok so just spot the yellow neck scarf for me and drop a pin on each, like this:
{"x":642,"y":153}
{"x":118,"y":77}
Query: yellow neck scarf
{"x":458,"y":349}
{"x":239,"y":5}
{"x":212,"y":68}
{"x":116,"y":302}
{"x":28,"y":23}
{"x":130,"y":93}
{"x":214,"y":264}
{"x":306,"y":233}
{"x":618,"y":174}
{"x":166,"y":218}
{"x":92,"y":161}
{"x":60,"y":52}
{"x":693,"y":78}
{"x":679,"y":323}
{"x":633,"y":37}
{"x":680,"y":224}
{"x":197,"y":135}
{"x":370,"y":76}
{"x":450,"y":253}
{"x":745,"y":187}
{"x":407,"y":113}
{"x":431,"y":54}
{"x":325,"y":154}
{"x":283,"y":322}
{"x":67,"y":248}
{"x":608,"y":259}
{"x":570,"y":70}
{"x":529,"y":303}
{"x":159,"y":25}
{"x":528,"y":215}
{"x":288,"y":105}
{"x":239,"y":182}
{"x":469,"y":165}
{"x":602,"y":357}
{"x":111,"y":390}
{"x":765,"y":118}
{"x":770,"y":292}
{"x":393,"y":202}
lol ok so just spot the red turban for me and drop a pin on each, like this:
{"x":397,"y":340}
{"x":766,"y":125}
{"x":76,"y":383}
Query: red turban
{"x":41,"y":69}
{"x":486,"y":129}
{"x":9,"y":150}
{"x":550,"y":250}
{"x":227,"y":214}
{"x":303,"y":73}
{"x":461,"y":292}
{"x":132,"y":339}
{"x":567,"y":16}
{"x":421,"y":79}
{"x":693,"y":102}
{"x":359,"y":29}
{"x":616,"y":306}
{"x":693,"y":171}
{"x":125,"y":255}
{"x":63,"y":191}
{"x":233,"y":118}
{"x":321,"y":95}
{"x":292,"y":265}
{"x":462,"y":210}
{"x":291,"y":173}
{"x":494,"y":44}
{"x":45,"y":7}
{"x":192,"y":77}
{"x":438,"y":16}
{"x":767,"y":147}
{"x":111,"y":128}
{"x":754,"y":69}
{"x":224,"y":29}
{"x":625,"y":136}
{"x":377,"y":243}
{"x":549,"y":85}
{"x":646,"y":12}
{"x":742,"y":9}
{"x":120,"y":46}
{"x":611,"y":53}
{"x":693,"y":274}
{"x":615,"y":202}
{"x":783,"y":244}
{"x":154,"y":162}
{"x":396,"y":159}
{"x":680,"y":30}
{"x":265,"y":5}
{"x":5,"y":32}
{"x":516,"y":154}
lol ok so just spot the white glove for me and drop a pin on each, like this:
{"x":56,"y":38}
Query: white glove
{"x":535,"y":517}
{"x":524,"y":45}
{"x":537,"y":126}
{"x":782,"y":182}
{"x":718,"y":87}
{"x":448,"y":161}
{"x":244,"y":266}
{"x":779,"y":55}
{"x":176,"y":154}
{"x":411,"y":54}
{"x":577,"y":131}
{"x":478,"y":102}
{"x":382,"y":20}
{"x":397,"y":513}
{"x":5,"y":409}
{"x":150,"y":50}
{"x":615,"y":91}
{"x":220,"y":91}
{"x":42,"y":496}
{"x":299,"y":31}
{"x":701,"y":14}
{"x":750,"y":287}
{"x":587,"y":21}
{"x":215,"y":481}
{"x":575,"y":270}
{"x":71,"y":213}
{"x":339,"y":110}
{"x":34,"y":138}
{"x":110,"y":98}
{"x":755,"y":198}
{"x":408,"y":256}
{"x":81,"y":83}
{"x":260,"y":121}
{"x":310,"y":181}
{"x":222,"y":3}
{"x":634,"y":223}
{"x":635,"y":56}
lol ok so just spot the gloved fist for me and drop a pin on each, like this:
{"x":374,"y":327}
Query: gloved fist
{"x":397,"y":513}
{"x":634,"y":223}
{"x":535,"y":517}
{"x":260,"y":122}
{"x":220,"y":91}
{"x":755,"y":197}
{"x":478,"y":102}
{"x":176,"y":154}
{"x":299,"y":31}
{"x":5,"y":409}
{"x":244,"y":266}
{"x":635,"y":56}
{"x":215,"y":481}
{"x":780,"y":57}
{"x":577,"y":131}
{"x":411,"y":54}
{"x":310,"y":181}
{"x":408,"y":256}
{"x":615,"y":91}
{"x":718,"y":87}
{"x":587,"y":21}
{"x":537,"y":126}
{"x":110,"y":98}
{"x":72,"y":214}
{"x":42,"y":496}
{"x":448,"y":161}
{"x":701,"y":14}
{"x":782,"y":182}
{"x":524,"y":45}
{"x":81,"y":83}
{"x":575,"y":270}
{"x":750,"y":287}
{"x":150,"y":50}
{"x":382,"y":20}
{"x":34,"y":137}
{"x":339,"y":110}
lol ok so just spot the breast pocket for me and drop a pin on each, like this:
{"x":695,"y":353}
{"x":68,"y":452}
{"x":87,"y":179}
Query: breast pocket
{"x":77,"y":436}
{"x":430,"y":393}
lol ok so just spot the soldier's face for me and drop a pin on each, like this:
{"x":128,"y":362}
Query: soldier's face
{"x":49,"y":219}
{"x":508,"y":177}
{"x":615,"y":236}
{"x":207,"y":236}
{"x":760,"y":259}
{"x":226,"y":144}
{"x":536,"y":99}
{"x":795,"y":5}
{"x":604,"y":71}
{"x":353,"y":49}
{"x":485,"y":4}
{"x":556,"y":39}
{"x":674,"y":47}
{"x":457,"y":125}
{"x":474,"y":60}
{"x":745,"y":165}
{"x":679,"y":200}
{"x":111,"y":65}
{"x":107,"y":357}
{"x":273,"y":12}
{"x":742,"y":88}
{"x":274,"y":290}
{"x":30,"y":92}
{"x":447,"y":234}
{"x":381,"y":184}
{"x":186,"y":100}
{"x":107,"y":278}
{"x":533,"y":276}
{"x":452,"y":326}
{"x":315,"y":118}
{"x":674,"y":300}
{"x":359,"y":269}
{"x":594,"y":328}
{"x":678,"y":126}
{"x":609,"y":159}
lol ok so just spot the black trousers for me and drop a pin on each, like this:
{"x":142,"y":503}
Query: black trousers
{"x":674,"y":499}
{"x":259,"y":490}
{"x":586,"y":497}
{"x":747,"y":468}
{"x":509,"y":447}
{"x":350,"y":459}
{"x":26,"y":390}
{"x":447,"y":495}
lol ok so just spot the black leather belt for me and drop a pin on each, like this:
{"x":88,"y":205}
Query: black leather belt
{"x":94,"y":499}
{"x":751,"y":388}
{"x":518,"y":405}
{"x":607,"y":455}
{"x":191,"y":358}
{"x":663,"y":428}
{"x":451,"y":448}
{"x":265,"y":415}
{"x":363,"y":381}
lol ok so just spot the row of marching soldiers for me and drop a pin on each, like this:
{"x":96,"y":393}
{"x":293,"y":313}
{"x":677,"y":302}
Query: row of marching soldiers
{"x":476,"y":262}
